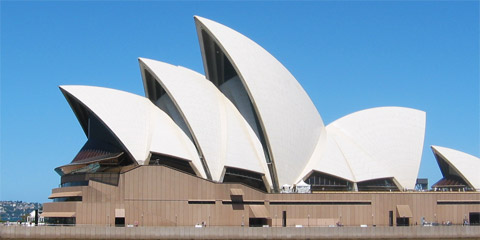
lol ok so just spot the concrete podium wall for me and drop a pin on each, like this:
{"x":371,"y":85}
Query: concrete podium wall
{"x":160,"y":196}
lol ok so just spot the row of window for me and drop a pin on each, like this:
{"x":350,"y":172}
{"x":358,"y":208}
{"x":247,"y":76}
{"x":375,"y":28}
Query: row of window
{"x":68,"y":199}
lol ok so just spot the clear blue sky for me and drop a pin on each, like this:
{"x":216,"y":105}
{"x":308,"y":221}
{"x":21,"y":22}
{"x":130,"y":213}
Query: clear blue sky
{"x":348,"y":56}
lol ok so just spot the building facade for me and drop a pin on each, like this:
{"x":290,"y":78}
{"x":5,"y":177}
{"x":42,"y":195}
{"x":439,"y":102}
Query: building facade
{"x":238,"y":145}
{"x":162,"y":196}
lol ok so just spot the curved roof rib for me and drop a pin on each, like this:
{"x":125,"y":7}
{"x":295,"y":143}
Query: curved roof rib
{"x":372,"y":144}
{"x":138,"y":124}
{"x":288,"y":122}
{"x":222,"y":136}
{"x":464,"y":165}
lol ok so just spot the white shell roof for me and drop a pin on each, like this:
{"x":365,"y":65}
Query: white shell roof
{"x":374,"y":143}
{"x":221,"y":133}
{"x":291,"y":124}
{"x":467,"y":165}
{"x":329,"y":158}
{"x":137,"y":123}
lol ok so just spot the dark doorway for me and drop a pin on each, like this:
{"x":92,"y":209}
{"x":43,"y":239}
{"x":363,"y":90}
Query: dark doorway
{"x":119,"y":222}
{"x":284,"y":219}
{"x":403,"y":221}
{"x":257,"y":222}
{"x":390,"y":218}
{"x":475,"y":218}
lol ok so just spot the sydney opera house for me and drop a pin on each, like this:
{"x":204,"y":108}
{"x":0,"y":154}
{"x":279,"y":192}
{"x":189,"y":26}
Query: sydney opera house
{"x":244,"y":145}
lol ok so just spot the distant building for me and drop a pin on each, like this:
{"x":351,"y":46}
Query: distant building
{"x":14,"y":211}
{"x":31,"y":217}
{"x":243,"y":145}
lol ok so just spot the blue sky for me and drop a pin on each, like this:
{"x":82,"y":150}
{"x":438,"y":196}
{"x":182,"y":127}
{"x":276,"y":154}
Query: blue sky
{"x":347,"y":55}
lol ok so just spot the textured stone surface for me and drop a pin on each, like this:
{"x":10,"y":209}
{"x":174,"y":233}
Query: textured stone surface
{"x":96,"y":232}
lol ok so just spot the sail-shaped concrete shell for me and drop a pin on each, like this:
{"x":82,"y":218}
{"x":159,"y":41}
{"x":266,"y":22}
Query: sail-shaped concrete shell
{"x":328,"y":158}
{"x":287,"y":118}
{"x":384,"y":142}
{"x":221,"y":133}
{"x":465,"y":165}
{"x":250,"y":119}
{"x":139,"y":125}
